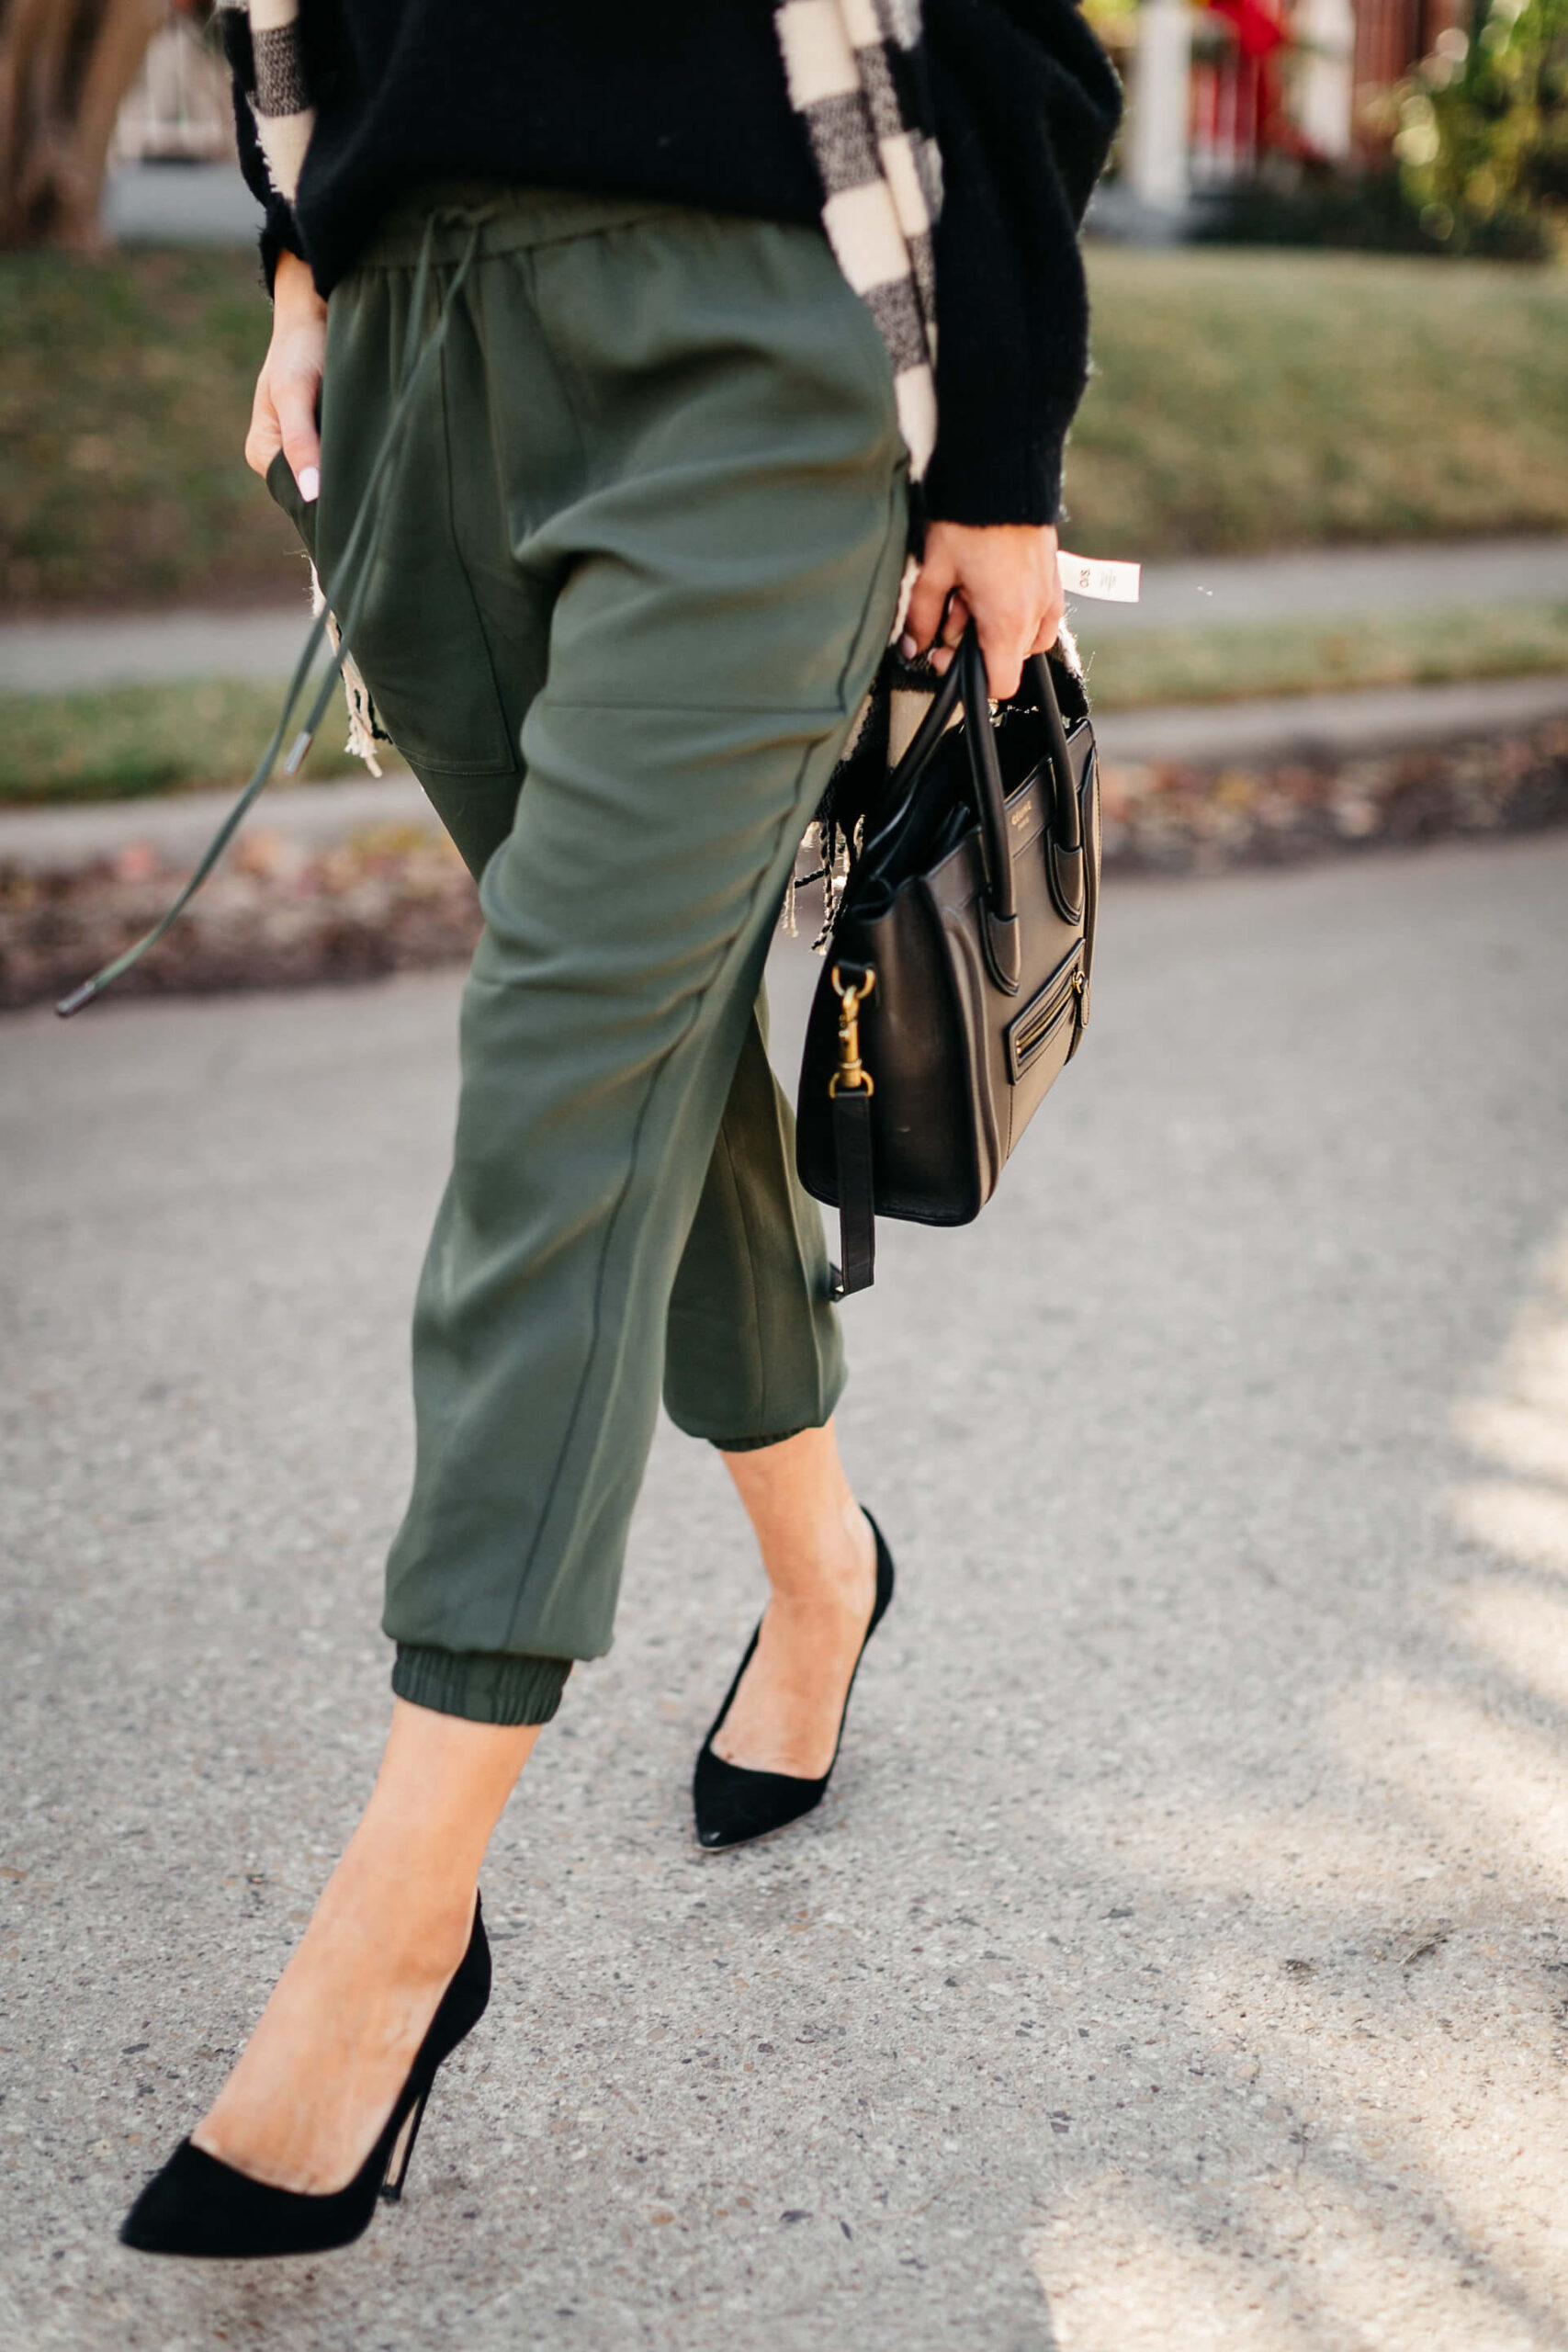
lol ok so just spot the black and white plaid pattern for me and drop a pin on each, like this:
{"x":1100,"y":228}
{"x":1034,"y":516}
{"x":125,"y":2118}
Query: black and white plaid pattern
{"x":278,"y":94}
{"x":856,"y":76}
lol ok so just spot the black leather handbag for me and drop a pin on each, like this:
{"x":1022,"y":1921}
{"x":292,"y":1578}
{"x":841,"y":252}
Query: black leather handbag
{"x":956,"y":987}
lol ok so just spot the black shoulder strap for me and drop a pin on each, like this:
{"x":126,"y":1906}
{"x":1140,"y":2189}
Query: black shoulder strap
{"x":857,"y":1193}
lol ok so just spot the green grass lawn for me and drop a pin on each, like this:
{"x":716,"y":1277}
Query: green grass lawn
{"x":125,"y":393}
{"x":1257,"y":399}
{"x":1380,"y":649}
{"x":1244,"y":400}
{"x":126,"y":741}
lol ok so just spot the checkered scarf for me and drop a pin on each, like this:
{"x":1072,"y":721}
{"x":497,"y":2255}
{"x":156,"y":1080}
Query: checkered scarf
{"x":856,"y":75}
{"x":279,"y":93}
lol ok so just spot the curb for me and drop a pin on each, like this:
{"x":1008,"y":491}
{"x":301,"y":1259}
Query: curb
{"x":178,"y":828}
{"x":1309,"y":728}
{"x":1330,"y":726}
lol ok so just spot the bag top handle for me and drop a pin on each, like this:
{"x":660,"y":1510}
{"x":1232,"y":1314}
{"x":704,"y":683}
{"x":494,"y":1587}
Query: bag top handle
{"x":1066,"y":823}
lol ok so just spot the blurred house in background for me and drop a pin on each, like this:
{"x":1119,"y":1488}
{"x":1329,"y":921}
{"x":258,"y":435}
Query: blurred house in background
{"x":1225,"y":94}
{"x":1383,"y":124}
{"x":178,"y":110}
{"x":90,"y":93}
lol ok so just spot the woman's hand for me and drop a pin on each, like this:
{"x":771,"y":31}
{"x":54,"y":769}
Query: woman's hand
{"x":1005,"y":575}
{"x":283,"y":414}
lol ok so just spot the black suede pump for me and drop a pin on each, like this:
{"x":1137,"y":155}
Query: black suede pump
{"x":733,"y":1805}
{"x":198,"y":2205}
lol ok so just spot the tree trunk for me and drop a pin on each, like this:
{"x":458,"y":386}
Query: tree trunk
{"x":65,"y":66}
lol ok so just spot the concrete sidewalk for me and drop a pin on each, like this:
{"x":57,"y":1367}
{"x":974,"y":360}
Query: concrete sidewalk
{"x":1317,"y":584}
{"x":180,"y":203}
{"x":1178,"y":1963}
{"x":58,"y":656}
{"x":65,"y":656}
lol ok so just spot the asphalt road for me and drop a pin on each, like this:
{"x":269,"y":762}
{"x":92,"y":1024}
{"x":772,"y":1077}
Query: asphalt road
{"x":1182,"y":1957}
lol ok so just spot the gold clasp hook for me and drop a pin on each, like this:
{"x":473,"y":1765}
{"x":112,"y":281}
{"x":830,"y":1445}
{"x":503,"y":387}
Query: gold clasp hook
{"x":851,"y":1076}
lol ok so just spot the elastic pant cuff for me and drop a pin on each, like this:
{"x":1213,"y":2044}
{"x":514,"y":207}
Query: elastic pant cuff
{"x":755,"y":1444}
{"x":482,"y":1688}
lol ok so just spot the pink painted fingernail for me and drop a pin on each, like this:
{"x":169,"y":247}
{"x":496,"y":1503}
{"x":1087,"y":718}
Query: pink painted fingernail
{"x":907,"y":647}
{"x":309,"y":484}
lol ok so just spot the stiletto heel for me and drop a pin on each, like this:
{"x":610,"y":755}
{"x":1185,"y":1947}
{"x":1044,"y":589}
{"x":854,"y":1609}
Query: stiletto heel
{"x":402,"y":2152}
{"x":733,"y":1805}
{"x":198,"y":2205}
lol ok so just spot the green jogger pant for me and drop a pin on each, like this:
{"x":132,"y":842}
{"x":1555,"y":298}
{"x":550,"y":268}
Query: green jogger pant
{"x":641,"y":557}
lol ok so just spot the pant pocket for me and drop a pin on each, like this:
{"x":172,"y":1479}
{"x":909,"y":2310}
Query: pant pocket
{"x":284,"y":491}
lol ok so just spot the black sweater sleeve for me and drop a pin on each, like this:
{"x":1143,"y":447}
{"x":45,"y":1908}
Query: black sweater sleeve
{"x":1027,"y":107}
{"x":279,"y":233}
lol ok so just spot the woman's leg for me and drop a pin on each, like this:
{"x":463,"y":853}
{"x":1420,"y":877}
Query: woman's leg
{"x":718,"y":553}
{"x":820,"y":1557}
{"x":319,"y":2075}
{"x":753,"y":1352}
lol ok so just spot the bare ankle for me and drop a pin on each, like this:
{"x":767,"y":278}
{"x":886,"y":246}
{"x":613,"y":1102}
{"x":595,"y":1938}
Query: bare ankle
{"x":417,"y":1918}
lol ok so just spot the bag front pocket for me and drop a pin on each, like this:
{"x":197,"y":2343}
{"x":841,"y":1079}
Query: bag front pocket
{"x":1040,"y":1023}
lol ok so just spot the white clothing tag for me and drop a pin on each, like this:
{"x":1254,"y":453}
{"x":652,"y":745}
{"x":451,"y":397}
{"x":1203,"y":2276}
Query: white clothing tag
{"x":1111,"y":583}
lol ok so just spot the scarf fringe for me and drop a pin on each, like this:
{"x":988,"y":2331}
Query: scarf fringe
{"x":365,"y":729}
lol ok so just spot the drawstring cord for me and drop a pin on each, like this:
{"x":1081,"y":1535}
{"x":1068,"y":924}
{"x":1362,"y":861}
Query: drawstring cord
{"x":357,"y":564}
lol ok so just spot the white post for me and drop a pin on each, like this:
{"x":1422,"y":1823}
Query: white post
{"x":1325,"y":35}
{"x":1157,"y":161}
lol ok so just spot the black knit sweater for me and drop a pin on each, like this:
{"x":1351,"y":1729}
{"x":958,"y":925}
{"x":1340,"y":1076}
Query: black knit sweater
{"x":685,"y":100}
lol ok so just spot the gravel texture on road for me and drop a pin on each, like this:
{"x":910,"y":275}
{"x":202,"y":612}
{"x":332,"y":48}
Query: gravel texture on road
{"x":1180,"y":1957}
